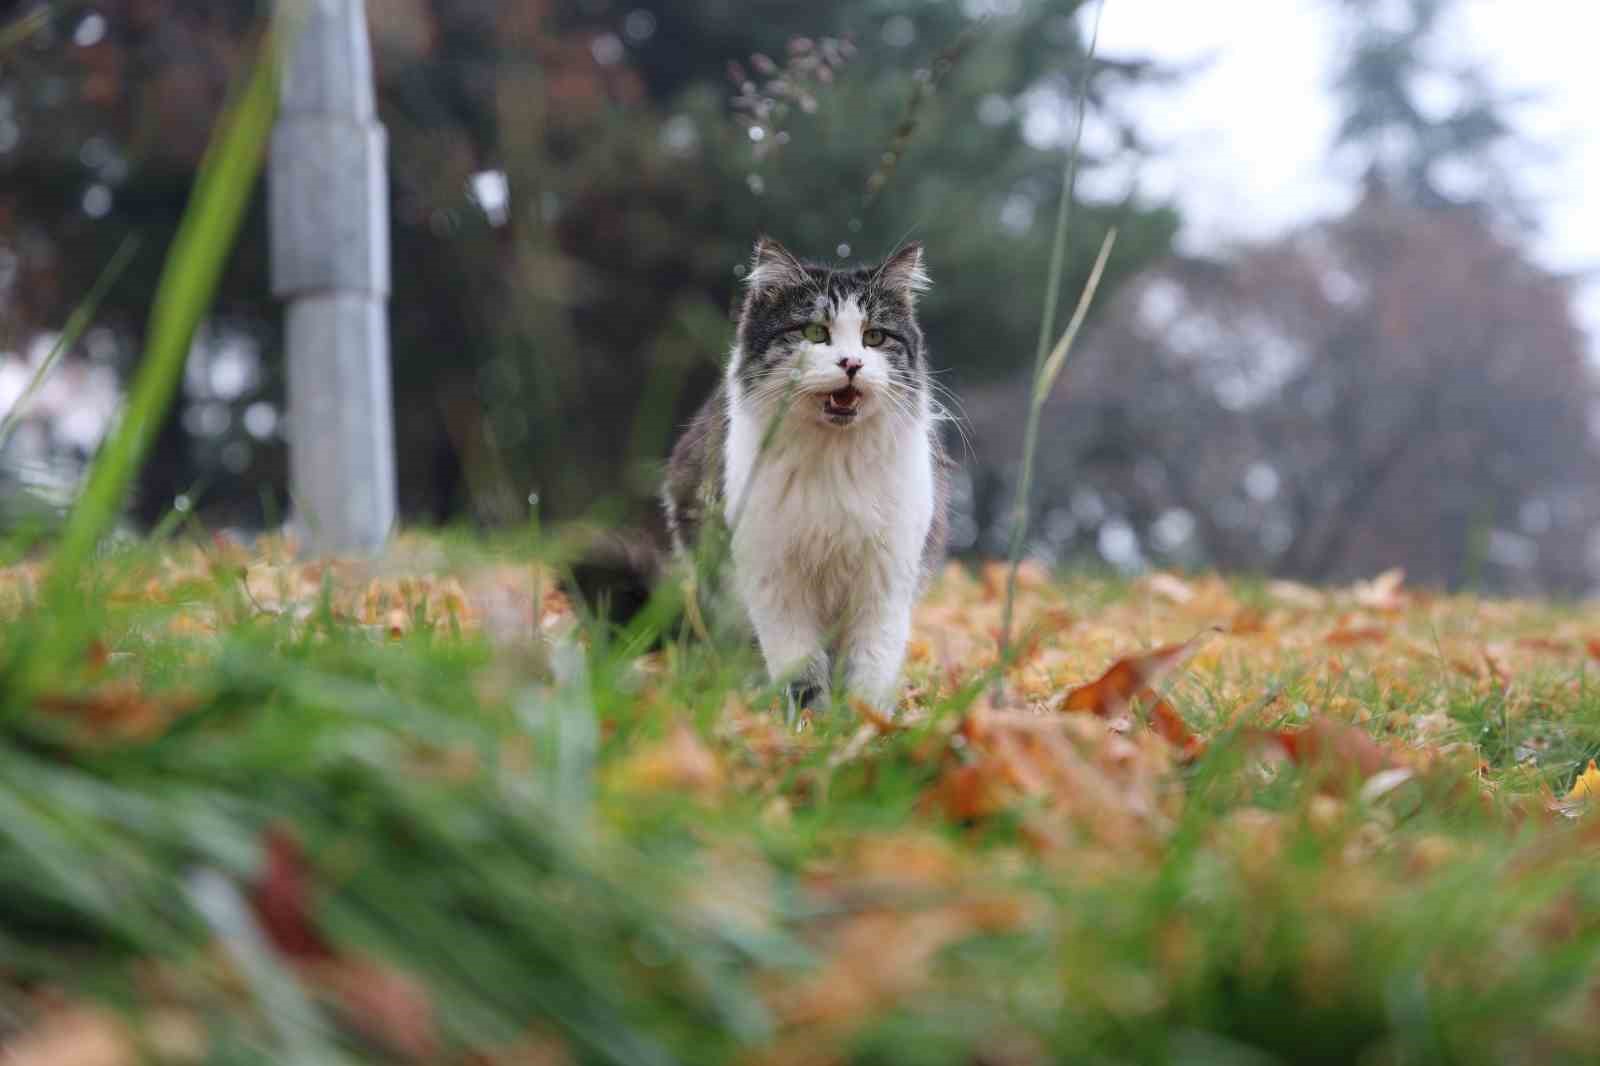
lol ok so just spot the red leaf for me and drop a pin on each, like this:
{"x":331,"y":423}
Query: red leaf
{"x":387,"y":1006}
{"x":282,"y":900}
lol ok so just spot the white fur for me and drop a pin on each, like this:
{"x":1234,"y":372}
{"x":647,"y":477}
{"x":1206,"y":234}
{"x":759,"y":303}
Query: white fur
{"x":829,"y":524}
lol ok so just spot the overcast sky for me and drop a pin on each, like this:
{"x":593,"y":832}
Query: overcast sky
{"x":1246,"y":136}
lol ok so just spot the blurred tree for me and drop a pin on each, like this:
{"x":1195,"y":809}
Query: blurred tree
{"x":1398,"y":386}
{"x":574,"y":191}
{"x":1424,"y":121}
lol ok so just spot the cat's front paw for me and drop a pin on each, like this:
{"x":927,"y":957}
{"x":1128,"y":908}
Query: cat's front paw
{"x":803,"y":694}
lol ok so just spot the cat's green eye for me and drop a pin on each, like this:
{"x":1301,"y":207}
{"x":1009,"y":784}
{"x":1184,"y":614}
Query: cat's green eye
{"x":815,"y":332}
{"x":872,"y":338}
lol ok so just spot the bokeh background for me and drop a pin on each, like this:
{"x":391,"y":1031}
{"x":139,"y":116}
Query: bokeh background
{"x":1343,"y":328}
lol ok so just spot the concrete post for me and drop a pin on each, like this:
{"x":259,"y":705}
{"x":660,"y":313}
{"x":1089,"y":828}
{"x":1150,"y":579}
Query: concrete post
{"x":330,"y":264}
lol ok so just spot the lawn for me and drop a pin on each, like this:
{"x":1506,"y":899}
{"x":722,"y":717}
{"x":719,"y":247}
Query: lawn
{"x":254,"y":810}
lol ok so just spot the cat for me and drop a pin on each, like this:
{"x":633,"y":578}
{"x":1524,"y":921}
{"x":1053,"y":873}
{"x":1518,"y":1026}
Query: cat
{"x":818,"y":462}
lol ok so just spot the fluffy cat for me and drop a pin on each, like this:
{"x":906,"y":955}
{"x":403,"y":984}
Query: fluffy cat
{"x":819,"y":460}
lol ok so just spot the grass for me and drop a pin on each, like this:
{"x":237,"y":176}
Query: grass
{"x":522,"y":845}
{"x":1048,"y":361}
{"x":188,"y":282}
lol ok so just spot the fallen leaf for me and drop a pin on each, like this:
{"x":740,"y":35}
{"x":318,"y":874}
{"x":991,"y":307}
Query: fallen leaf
{"x":1383,"y":593}
{"x":388,"y":1007}
{"x":118,"y":710}
{"x":1247,"y":621}
{"x":281,"y":899}
{"x":1587,"y":786}
{"x":680,"y":762}
{"x":385,"y":1005}
{"x":1169,"y":587}
{"x":1128,"y":687}
{"x":1349,"y":636}
{"x":1545,"y":644}
{"x":965,"y":793}
{"x":1336,"y":748}
{"x":74,"y":1036}
{"x":1296,"y":595}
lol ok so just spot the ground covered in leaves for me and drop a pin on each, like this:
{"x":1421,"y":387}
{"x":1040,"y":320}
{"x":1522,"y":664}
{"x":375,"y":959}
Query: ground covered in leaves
{"x":254,"y":810}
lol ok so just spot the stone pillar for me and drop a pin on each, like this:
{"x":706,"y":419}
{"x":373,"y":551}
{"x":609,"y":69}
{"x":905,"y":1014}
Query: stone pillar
{"x":330,"y":265}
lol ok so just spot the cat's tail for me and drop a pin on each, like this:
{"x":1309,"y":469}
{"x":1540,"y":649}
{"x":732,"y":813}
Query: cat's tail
{"x":615,"y":571}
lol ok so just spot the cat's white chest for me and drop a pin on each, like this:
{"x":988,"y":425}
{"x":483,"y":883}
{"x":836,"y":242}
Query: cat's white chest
{"x":831,"y":520}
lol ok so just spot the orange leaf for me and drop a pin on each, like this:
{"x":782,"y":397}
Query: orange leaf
{"x":1169,"y":725}
{"x":1128,"y":684}
{"x":1545,"y":644}
{"x":117,"y":710}
{"x":1248,"y":621}
{"x":1330,"y":744}
{"x":1347,"y":636}
{"x":966,"y":792}
{"x":680,"y":762}
{"x":1112,"y":692}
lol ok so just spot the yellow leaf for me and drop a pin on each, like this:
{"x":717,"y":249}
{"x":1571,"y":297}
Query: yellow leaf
{"x":1587,"y":786}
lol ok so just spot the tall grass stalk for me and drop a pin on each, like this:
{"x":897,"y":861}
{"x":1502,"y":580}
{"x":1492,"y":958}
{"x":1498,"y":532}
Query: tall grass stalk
{"x":188,"y":283}
{"x":1047,"y":322}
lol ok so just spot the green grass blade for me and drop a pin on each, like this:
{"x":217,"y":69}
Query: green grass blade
{"x":1047,"y":323}
{"x":1069,"y":185}
{"x":76,"y":326}
{"x":188,"y":283}
{"x":1058,"y":356}
{"x":1043,"y":382}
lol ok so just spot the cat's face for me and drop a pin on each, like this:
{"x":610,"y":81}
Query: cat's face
{"x":835,"y":346}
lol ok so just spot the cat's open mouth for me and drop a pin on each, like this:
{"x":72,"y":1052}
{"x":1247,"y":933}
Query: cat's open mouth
{"x":842,"y":405}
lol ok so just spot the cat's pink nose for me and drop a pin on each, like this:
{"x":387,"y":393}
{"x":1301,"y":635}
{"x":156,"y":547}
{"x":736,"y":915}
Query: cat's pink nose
{"x":850,"y":366}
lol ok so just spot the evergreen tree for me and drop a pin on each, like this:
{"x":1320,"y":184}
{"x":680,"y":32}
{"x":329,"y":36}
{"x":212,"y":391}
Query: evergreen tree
{"x":1432,"y":130}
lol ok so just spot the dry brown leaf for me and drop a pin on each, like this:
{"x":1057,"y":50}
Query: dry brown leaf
{"x":1247,"y":622}
{"x":1546,"y":644}
{"x":1383,"y":593}
{"x":73,"y":1036}
{"x":1169,"y":587}
{"x":389,"y":1008}
{"x":1350,"y":636}
{"x":1294,"y":594}
{"x":966,"y":793}
{"x":1333,"y":748}
{"x":118,"y":710}
{"x":680,"y":762}
{"x":1128,"y":687}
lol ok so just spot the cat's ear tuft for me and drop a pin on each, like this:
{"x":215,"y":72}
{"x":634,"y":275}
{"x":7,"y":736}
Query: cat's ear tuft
{"x":772,"y":266}
{"x":904,"y":271}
